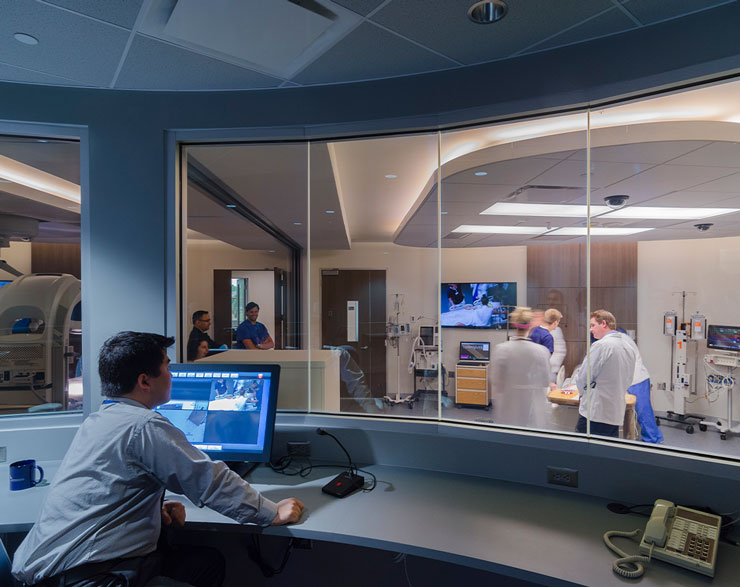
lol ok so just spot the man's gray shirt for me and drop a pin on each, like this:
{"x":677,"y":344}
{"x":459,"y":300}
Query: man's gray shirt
{"x":105,"y":500}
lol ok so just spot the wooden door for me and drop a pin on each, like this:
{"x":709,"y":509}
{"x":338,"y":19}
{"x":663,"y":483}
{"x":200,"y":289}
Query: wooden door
{"x":367,"y":288}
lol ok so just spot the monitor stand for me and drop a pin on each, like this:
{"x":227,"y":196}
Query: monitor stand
{"x":241,"y":468}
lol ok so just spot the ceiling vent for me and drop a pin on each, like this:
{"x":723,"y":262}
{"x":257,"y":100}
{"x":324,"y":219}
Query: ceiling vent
{"x":278,"y":37}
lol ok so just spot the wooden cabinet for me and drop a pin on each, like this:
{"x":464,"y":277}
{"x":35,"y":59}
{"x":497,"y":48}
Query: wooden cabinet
{"x":471,"y":386}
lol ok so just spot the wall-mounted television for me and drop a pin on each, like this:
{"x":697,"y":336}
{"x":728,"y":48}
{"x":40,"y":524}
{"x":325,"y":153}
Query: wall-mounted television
{"x":477,"y":305}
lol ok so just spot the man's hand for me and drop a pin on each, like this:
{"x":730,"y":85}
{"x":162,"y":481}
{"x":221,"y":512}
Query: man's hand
{"x":173,"y":513}
{"x":289,"y":512}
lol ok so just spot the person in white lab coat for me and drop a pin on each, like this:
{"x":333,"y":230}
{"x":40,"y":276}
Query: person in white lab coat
{"x":520,"y":377}
{"x":612,"y":370}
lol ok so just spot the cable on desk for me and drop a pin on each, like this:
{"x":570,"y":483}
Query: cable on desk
{"x":307,"y":470}
{"x":254,"y":550}
{"x":629,"y":566}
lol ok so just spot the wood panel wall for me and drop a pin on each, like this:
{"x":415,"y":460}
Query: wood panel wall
{"x":56,"y":258}
{"x":556,"y":278}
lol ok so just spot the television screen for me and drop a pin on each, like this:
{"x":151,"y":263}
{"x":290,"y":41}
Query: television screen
{"x":225,"y":410}
{"x":477,"y":305}
{"x":723,"y":338}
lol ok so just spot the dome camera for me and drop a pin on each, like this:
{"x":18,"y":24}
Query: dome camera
{"x":617,"y":201}
{"x":703,"y":227}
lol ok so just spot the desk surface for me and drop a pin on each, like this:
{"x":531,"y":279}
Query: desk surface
{"x":538,"y":534}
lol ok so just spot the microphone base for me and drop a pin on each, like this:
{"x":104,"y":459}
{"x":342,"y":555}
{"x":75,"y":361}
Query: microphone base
{"x":343,"y":484}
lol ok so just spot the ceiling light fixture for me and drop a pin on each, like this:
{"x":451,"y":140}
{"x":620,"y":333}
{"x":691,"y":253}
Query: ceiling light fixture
{"x":231,"y":205}
{"x":596,"y":231}
{"x":26,"y":39}
{"x":501,"y":229}
{"x":329,"y":211}
{"x":487,"y":12}
{"x":667,"y":213}
{"x":481,"y":173}
{"x":298,"y":223}
{"x":551,"y":210}
{"x":391,"y":176}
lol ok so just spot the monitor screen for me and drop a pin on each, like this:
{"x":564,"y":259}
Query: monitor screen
{"x":226,"y":410}
{"x":477,"y":305}
{"x":2,"y":283}
{"x":723,"y":338}
{"x":475,"y":351}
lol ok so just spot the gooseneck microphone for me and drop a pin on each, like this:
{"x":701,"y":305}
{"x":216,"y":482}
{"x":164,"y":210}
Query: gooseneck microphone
{"x":344,"y":483}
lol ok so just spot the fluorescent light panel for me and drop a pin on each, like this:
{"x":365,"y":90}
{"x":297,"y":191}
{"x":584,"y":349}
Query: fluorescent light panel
{"x":551,"y":210}
{"x":596,"y":231}
{"x":501,"y":229}
{"x":667,"y":213}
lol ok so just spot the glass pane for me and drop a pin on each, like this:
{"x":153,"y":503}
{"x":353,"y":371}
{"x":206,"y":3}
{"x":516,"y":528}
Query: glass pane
{"x":374,"y":273}
{"x":245,"y":249}
{"x":40,"y":288}
{"x":513,"y":283}
{"x":668,"y":172}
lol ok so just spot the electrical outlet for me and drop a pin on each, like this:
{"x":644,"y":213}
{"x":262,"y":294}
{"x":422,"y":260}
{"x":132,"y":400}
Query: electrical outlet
{"x":661,"y":386}
{"x":3,"y":454}
{"x":562,"y":476}
{"x":299,"y":448}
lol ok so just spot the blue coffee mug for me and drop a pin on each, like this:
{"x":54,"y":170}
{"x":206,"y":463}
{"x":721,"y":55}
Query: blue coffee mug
{"x":23,"y":473}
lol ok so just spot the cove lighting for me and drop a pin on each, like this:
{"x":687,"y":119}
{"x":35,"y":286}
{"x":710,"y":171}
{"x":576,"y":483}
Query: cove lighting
{"x":391,"y":176}
{"x":33,"y":178}
{"x":668,"y":213}
{"x":559,"y":210}
{"x":501,"y":229}
{"x":596,"y":231}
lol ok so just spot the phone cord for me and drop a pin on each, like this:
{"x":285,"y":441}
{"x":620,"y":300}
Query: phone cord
{"x":629,"y":566}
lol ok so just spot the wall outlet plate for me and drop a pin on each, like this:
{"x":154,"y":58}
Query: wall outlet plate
{"x":562,"y":476}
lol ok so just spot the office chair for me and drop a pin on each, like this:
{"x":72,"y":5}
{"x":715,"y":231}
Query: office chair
{"x":6,"y":579}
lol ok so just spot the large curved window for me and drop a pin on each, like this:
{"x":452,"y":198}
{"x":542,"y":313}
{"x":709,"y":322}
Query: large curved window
{"x":457,"y":275}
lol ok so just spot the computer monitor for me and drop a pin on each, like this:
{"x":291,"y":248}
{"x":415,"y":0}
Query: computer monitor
{"x":475,"y":351}
{"x":226,"y":410}
{"x":723,"y":338}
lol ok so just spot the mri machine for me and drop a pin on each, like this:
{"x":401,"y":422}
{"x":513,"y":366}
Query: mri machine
{"x":40,"y":320}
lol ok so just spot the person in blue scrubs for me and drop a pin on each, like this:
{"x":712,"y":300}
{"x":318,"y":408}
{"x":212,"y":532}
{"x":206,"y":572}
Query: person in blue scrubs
{"x":252,"y":334}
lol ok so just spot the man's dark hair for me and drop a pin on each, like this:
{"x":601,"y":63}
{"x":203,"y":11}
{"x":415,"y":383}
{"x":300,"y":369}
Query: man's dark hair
{"x":127,"y":355}
{"x":251,"y":305}
{"x":198,"y":314}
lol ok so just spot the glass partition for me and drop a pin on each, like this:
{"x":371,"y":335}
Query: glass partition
{"x":40,"y":288}
{"x":247,"y":234}
{"x":513,"y":277}
{"x":374,"y":273}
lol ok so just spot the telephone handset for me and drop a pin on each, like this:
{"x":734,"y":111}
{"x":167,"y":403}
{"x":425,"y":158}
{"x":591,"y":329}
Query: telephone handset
{"x":675,"y":534}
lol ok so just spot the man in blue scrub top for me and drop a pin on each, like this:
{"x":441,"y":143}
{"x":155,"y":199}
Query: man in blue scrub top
{"x":252,"y":334}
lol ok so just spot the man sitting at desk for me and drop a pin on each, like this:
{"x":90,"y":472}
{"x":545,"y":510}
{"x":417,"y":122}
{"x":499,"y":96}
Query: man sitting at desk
{"x":201,"y":324}
{"x":101,"y":520}
{"x":252,"y":334}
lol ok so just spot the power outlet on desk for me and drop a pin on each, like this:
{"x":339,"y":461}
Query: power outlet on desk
{"x":562,"y":476}
{"x":300,"y":448}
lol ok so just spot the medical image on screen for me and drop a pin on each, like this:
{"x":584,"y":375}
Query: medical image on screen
{"x":229,"y":424}
{"x":191,"y":422}
{"x":477,"y":305}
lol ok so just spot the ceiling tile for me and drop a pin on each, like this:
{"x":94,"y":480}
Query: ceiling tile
{"x":695,"y":199}
{"x":9,"y":73}
{"x":607,"y":23}
{"x":363,"y":7}
{"x":153,"y":65}
{"x":573,"y":173}
{"x":120,"y":12}
{"x":731,"y":183}
{"x":369,"y":52}
{"x":717,"y":154}
{"x":649,"y":11}
{"x":70,"y":46}
{"x":443,"y":25}
{"x":514,"y":172}
{"x":650,"y":153}
{"x":667,"y":178}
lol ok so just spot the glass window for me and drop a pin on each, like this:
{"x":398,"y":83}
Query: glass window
{"x":40,"y":288}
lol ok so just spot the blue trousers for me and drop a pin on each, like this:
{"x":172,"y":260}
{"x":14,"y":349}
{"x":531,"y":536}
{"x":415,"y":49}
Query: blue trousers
{"x":645,"y":416}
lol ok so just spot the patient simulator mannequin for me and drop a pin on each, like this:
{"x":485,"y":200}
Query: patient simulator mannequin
{"x":520,"y":377}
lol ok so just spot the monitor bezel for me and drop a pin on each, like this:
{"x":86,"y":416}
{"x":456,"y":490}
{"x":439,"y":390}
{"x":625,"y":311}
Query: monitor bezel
{"x":251,"y":456}
{"x":462,"y":342}
{"x":715,"y":347}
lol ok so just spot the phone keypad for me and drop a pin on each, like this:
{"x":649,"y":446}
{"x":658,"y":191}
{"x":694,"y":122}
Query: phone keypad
{"x":692,"y":539}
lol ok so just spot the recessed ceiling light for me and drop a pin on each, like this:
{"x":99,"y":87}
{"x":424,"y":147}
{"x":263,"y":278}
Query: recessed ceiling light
{"x":487,"y":12}
{"x":298,"y":223}
{"x":668,"y":213}
{"x":26,"y":39}
{"x":329,"y":211}
{"x":271,"y":251}
{"x":443,"y":212}
{"x":501,"y":229}
{"x":391,"y":176}
{"x":553,"y":210}
{"x":231,"y":205}
{"x":596,"y":231}
{"x":481,"y":173}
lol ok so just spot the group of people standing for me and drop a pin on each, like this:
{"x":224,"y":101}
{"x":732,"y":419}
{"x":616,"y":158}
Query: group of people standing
{"x":250,"y":334}
{"x":525,"y":367}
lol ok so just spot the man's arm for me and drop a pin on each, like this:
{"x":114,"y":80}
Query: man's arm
{"x":268,"y":343}
{"x":249,"y":344}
